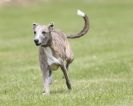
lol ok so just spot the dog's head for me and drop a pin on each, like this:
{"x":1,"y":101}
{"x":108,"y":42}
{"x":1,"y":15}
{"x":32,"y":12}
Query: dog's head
{"x":42,"y":34}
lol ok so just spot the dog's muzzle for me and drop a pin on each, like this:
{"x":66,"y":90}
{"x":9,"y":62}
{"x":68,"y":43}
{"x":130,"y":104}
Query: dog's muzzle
{"x":37,"y":42}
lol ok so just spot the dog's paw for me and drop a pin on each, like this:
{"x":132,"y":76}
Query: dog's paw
{"x":45,"y":94}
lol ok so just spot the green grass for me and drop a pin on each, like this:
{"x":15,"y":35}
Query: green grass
{"x":102,"y":72}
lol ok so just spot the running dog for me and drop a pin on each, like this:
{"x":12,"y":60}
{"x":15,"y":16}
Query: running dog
{"x":55,"y":51}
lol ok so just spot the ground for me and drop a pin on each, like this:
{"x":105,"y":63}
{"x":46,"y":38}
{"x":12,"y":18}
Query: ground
{"x":102,"y":72}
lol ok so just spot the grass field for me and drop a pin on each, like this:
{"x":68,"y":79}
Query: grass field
{"x":102,"y":72}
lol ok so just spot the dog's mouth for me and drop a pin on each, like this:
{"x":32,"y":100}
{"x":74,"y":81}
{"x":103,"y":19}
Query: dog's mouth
{"x":40,"y":44}
{"x":37,"y":44}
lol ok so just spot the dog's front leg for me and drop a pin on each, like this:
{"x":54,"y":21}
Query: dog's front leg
{"x":45,"y":70}
{"x":45,"y":77}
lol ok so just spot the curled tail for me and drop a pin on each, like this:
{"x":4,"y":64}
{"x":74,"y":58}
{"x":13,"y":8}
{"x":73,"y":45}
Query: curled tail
{"x":85,"y":28}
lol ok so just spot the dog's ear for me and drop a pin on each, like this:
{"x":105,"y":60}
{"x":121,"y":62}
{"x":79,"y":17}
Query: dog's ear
{"x":34,"y":26}
{"x":51,"y":27}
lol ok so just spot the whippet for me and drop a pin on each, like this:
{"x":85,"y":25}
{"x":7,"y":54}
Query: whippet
{"x":54,"y":50}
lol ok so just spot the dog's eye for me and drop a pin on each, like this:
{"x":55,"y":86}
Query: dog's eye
{"x":34,"y":32}
{"x":43,"y":32}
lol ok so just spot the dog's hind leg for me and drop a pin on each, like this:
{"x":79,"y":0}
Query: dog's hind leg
{"x":68,"y":62}
{"x":69,"y":58}
{"x":69,"y":55}
{"x":64,"y":70}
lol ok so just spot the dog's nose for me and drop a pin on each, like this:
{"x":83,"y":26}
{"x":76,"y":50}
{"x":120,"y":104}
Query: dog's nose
{"x":36,"y":41}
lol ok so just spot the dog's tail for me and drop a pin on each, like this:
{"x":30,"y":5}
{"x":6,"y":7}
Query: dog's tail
{"x":85,"y":28}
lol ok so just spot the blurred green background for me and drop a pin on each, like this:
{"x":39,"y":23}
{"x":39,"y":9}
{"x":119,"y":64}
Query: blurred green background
{"x":102,"y":72}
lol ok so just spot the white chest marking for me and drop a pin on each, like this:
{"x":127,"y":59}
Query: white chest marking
{"x":50,"y":58}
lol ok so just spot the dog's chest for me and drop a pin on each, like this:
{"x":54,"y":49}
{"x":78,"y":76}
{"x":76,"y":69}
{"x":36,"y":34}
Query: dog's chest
{"x":52,"y":61}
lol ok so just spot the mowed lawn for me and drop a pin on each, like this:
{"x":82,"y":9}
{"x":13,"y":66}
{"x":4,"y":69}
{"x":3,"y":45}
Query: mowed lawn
{"x":102,"y":72}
